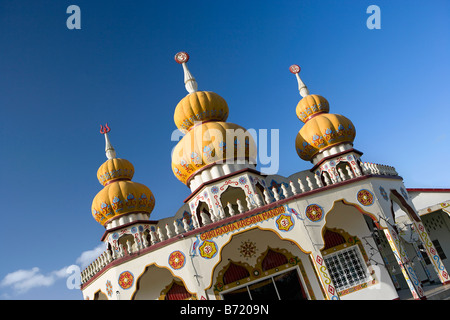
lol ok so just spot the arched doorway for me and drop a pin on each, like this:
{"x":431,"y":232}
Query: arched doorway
{"x":157,"y":283}
{"x":258,"y":265}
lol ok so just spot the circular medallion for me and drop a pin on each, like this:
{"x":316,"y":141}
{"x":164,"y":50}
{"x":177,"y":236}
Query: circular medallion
{"x":365,"y":197}
{"x":181,"y":57}
{"x":294,"y":69}
{"x":177,"y":260}
{"x":126,"y":280}
{"x":314,"y":212}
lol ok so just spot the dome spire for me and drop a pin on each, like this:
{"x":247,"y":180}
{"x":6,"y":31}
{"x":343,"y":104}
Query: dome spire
{"x":295,"y":69}
{"x":109,"y":150}
{"x":189,"y":81}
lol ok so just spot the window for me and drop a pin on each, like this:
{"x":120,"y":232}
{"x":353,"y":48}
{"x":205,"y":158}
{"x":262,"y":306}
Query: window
{"x":347,"y":268}
{"x":282,"y":286}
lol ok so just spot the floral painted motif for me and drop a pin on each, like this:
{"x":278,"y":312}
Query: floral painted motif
{"x":177,"y":260}
{"x":248,"y":249}
{"x":208,"y":249}
{"x":109,"y":288}
{"x":314,"y":212}
{"x":384,"y":194}
{"x":126,"y":280}
{"x":215,"y":190}
{"x":365,"y":197}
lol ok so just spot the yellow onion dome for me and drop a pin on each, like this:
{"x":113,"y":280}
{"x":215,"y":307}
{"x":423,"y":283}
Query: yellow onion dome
{"x":115,"y":169}
{"x":209,"y":143}
{"x":321,"y":132}
{"x":120,"y":196}
{"x":200,"y":106}
{"x":208,"y":139}
{"x":311,"y":105}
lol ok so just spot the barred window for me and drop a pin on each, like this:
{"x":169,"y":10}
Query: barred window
{"x":347,"y":268}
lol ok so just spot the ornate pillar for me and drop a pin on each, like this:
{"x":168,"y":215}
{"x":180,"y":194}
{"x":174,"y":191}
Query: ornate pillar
{"x":432,"y":252}
{"x":404,"y":263}
{"x":324,"y":276}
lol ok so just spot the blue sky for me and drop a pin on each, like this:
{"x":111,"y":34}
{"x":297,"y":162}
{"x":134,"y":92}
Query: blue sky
{"x":58,"y":85}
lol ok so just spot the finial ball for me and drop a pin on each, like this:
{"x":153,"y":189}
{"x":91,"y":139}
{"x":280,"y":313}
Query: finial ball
{"x":181,"y":57}
{"x":294,"y":69}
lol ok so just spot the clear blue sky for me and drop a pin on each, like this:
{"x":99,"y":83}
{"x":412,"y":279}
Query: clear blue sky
{"x":58,"y":85}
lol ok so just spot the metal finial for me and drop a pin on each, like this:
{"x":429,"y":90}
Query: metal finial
{"x":104,"y":129}
{"x":295,"y":69}
{"x":109,"y":150}
{"x":189,"y":81}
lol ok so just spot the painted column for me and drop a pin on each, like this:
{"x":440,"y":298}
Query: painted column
{"x":432,"y":252}
{"x":324,"y":277}
{"x":403,"y":261}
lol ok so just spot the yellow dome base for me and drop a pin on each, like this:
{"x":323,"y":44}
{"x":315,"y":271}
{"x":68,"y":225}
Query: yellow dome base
{"x":120,"y":198}
{"x":208,"y":143}
{"x":321,"y":132}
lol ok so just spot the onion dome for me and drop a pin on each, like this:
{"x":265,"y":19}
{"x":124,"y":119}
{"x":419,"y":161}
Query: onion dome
{"x":200,"y":106}
{"x":208,"y":139}
{"x":321,"y":130}
{"x":115,"y":169}
{"x":120,"y":196}
{"x":211,"y":143}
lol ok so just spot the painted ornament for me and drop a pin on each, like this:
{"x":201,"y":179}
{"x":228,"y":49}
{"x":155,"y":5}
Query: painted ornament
{"x":384,"y":194}
{"x":248,"y":249}
{"x":208,"y":249}
{"x":109,"y":288}
{"x":126,"y":280}
{"x":365,"y":197}
{"x":285,"y":222}
{"x":314,"y":212}
{"x":177,"y":260}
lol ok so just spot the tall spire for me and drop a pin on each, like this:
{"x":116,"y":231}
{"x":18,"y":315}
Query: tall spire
{"x":295,"y":69}
{"x":189,"y":81}
{"x":109,"y":150}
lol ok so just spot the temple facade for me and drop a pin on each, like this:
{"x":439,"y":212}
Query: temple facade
{"x":345,"y":229}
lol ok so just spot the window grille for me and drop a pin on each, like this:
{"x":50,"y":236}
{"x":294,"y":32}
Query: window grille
{"x":347,"y":268}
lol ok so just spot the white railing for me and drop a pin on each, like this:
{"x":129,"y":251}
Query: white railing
{"x":309,"y":182}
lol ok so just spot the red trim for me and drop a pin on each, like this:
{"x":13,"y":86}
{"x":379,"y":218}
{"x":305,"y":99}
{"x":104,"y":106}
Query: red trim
{"x":115,"y":180}
{"x":427,"y":190}
{"x":314,"y":115}
{"x":446,"y":282}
